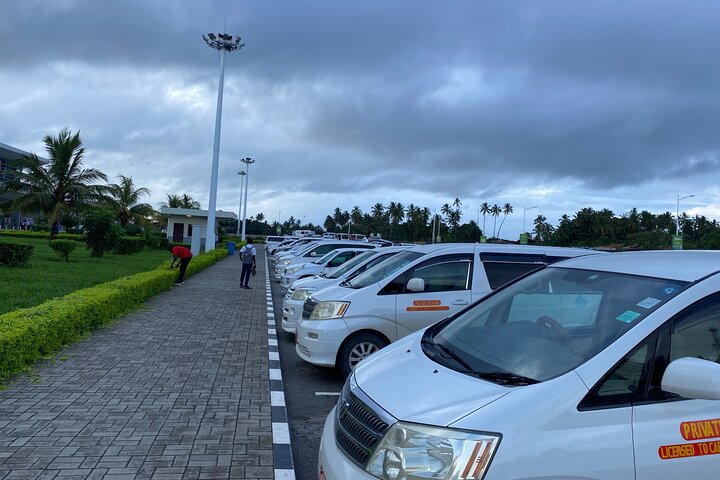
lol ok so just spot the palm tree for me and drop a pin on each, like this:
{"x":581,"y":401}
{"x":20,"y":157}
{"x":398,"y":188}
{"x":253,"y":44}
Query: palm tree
{"x":495,"y":211}
{"x":61,"y":185}
{"x":180,"y":201}
{"x":484,"y":209}
{"x":125,"y":201}
{"x":507,"y":209}
{"x":445,"y":210}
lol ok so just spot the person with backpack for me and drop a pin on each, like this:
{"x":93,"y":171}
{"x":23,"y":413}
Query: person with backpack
{"x":247,"y":255}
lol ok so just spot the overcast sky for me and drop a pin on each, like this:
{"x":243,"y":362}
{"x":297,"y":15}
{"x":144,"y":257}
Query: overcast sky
{"x":555,"y":104}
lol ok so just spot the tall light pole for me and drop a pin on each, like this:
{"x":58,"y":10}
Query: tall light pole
{"x":223,"y":43}
{"x":242,"y":179}
{"x":677,"y":213}
{"x":247,"y":161}
{"x":525,"y":209}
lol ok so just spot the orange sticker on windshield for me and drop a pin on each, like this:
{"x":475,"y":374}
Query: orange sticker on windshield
{"x":700,"y":429}
{"x":669,"y":452}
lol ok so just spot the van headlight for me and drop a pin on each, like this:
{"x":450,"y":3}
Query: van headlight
{"x":302,"y":293}
{"x":291,"y":270}
{"x":409,"y":451}
{"x":329,"y":310}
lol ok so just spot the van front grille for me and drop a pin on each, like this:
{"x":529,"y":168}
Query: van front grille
{"x":358,"y":429}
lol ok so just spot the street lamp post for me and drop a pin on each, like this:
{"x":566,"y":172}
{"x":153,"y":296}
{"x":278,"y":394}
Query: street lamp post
{"x":247,"y":161}
{"x":525,"y":209}
{"x":242,"y":179}
{"x":677,"y":212}
{"x":224,"y":43}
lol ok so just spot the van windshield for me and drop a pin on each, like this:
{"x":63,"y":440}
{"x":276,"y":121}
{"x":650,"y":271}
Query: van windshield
{"x":546,"y":324}
{"x":352,"y":263}
{"x":383,"y":269}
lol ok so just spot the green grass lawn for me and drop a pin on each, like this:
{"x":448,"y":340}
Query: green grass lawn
{"x":49,"y":276}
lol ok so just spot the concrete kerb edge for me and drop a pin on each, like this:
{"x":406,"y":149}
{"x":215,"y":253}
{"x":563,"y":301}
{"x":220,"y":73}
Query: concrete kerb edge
{"x":283,"y":466}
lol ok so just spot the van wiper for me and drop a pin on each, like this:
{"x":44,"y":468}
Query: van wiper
{"x":507,"y":378}
{"x":450,"y":354}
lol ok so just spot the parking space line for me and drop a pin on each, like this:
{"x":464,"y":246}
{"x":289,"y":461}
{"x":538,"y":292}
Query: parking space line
{"x":328,"y":394}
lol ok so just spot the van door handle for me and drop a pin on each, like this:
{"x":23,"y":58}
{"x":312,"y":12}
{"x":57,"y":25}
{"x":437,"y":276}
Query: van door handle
{"x":460,"y":302}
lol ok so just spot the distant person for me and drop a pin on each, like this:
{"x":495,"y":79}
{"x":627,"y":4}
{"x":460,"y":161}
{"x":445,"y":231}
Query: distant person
{"x":247,"y":255}
{"x":183,"y":256}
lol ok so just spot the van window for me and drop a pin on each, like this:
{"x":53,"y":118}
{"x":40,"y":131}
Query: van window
{"x":444,"y":276}
{"x":502,"y":268}
{"x":546,"y":324}
{"x":697,"y":335}
{"x":384,"y":269}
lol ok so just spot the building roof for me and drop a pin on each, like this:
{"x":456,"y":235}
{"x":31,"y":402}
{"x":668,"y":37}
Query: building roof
{"x":8,"y":152}
{"x":192,"y":212}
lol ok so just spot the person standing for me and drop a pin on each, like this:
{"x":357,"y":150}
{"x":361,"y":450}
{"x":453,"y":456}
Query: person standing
{"x":183,"y":257}
{"x":247,"y":255}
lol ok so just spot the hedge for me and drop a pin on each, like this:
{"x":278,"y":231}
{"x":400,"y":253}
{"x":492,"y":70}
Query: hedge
{"x":63,"y":247}
{"x":41,"y":235}
{"x":29,"y":334}
{"x":15,"y":255}
{"x":130,"y":245}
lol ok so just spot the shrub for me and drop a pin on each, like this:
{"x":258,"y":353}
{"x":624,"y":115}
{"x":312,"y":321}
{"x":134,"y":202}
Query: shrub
{"x":152,"y":241}
{"x":29,"y":334}
{"x":14,"y":254}
{"x":164,"y":244}
{"x":129,"y":245}
{"x":101,"y":233}
{"x":63,"y":247}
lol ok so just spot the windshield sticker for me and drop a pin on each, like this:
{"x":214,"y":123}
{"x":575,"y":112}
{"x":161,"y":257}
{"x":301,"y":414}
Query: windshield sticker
{"x":670,"y":290}
{"x":426,"y":306}
{"x":628,"y":316}
{"x":649,"y":302}
{"x":700,"y":429}
{"x":580,"y":302}
{"x":669,"y":452}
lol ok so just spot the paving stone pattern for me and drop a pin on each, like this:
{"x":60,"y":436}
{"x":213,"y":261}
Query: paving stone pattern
{"x":179,"y":389}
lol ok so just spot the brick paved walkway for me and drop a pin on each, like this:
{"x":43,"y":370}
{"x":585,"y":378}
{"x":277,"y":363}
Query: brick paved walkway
{"x":179,"y":389}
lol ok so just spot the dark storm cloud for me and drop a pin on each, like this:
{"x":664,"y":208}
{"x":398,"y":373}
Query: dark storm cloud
{"x":469,"y":97}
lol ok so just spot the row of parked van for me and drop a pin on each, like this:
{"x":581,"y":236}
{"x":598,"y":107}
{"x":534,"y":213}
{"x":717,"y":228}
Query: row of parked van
{"x":517,"y":362}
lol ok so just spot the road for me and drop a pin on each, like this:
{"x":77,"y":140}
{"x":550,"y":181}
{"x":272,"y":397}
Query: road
{"x":310,"y":393}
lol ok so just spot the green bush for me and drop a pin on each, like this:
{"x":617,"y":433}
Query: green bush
{"x":129,"y":245}
{"x":63,"y":247}
{"x":15,"y":254}
{"x":164,"y":244}
{"x":151,"y":240}
{"x":178,"y":244}
{"x":101,"y":233}
{"x":29,"y":334}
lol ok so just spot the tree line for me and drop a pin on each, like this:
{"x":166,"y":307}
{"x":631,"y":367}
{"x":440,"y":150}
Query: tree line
{"x":64,"y":192}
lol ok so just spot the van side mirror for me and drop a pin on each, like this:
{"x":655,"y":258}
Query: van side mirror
{"x":313,"y":254}
{"x":692,"y":378}
{"x":416,"y":285}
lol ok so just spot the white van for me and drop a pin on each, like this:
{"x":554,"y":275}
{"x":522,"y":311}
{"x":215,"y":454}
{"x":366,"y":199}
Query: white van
{"x":326,"y":264}
{"x":413,"y":289}
{"x":600,"y":367}
{"x":313,"y":251}
{"x":300,"y":290}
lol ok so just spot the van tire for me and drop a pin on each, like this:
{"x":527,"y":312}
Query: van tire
{"x":357,"y":348}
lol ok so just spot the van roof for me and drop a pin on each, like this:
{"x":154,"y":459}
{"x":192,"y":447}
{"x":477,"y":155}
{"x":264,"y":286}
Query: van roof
{"x":684,"y":265}
{"x":505,"y":248}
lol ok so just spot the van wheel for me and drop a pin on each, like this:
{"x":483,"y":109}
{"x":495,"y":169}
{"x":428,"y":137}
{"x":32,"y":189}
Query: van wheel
{"x":357,"y":348}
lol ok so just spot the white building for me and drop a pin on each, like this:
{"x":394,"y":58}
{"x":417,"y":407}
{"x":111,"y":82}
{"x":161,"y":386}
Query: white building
{"x":182,"y":221}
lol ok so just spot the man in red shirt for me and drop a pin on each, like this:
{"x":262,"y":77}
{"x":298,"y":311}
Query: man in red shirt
{"x":183,"y":256}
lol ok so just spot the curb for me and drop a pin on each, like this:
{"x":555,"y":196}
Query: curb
{"x":282,"y":451}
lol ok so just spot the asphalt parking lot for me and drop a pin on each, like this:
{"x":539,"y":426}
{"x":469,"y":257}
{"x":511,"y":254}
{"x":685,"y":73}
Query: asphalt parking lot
{"x":310,"y":393}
